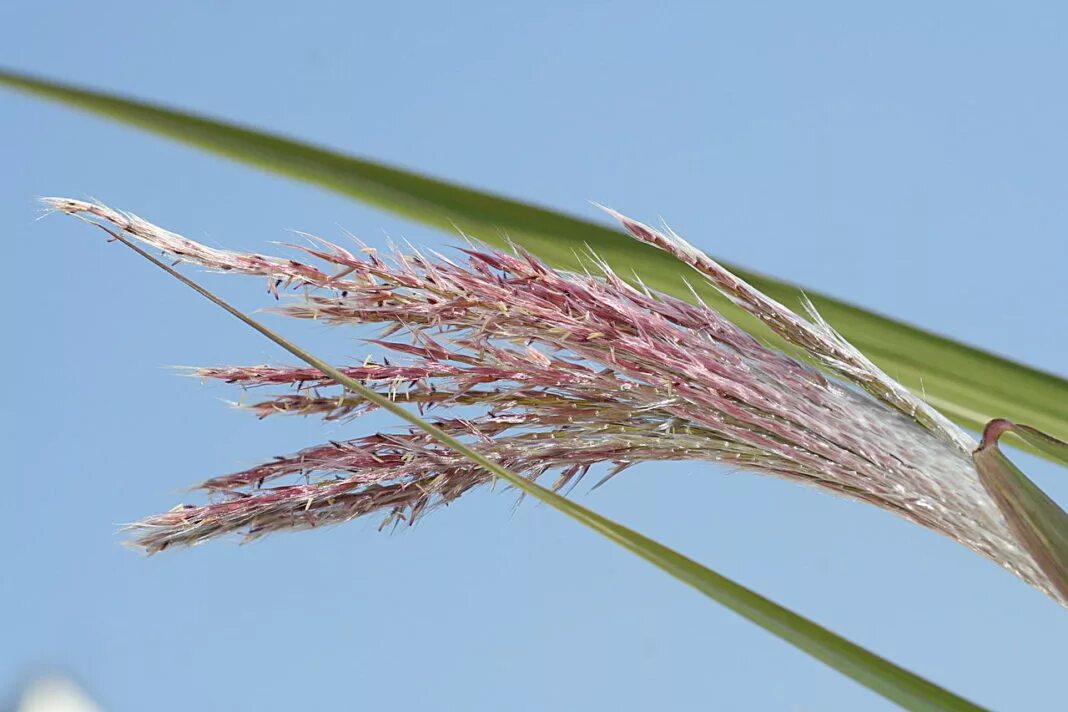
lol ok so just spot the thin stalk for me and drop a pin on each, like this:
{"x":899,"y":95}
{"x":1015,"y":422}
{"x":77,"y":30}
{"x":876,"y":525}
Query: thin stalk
{"x":874,"y":672}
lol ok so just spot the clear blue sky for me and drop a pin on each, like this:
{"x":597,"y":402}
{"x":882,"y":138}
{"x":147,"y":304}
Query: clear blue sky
{"x":911,"y":158}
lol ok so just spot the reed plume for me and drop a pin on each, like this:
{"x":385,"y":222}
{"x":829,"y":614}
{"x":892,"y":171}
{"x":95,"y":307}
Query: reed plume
{"x":566,"y":371}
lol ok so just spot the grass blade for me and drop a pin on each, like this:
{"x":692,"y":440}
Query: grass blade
{"x":969,"y":385}
{"x":878,"y":674}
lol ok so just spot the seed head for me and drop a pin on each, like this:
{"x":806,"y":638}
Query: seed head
{"x":544,"y":371}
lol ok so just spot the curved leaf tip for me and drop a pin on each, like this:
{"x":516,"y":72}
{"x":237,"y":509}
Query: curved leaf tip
{"x":1039,"y":522}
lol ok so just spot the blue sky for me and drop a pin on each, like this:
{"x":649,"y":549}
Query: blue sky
{"x":910,"y":158}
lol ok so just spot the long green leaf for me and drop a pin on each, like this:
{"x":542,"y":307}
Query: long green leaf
{"x":969,"y":385}
{"x":878,"y":674}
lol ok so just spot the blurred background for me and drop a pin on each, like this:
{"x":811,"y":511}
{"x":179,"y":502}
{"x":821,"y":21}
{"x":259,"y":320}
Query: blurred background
{"x":909,"y":158}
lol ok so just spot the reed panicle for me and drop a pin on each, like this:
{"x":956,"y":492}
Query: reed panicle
{"x":564,"y":372}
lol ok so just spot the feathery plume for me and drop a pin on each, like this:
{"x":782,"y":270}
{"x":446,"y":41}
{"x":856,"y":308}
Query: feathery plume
{"x":565,"y":372}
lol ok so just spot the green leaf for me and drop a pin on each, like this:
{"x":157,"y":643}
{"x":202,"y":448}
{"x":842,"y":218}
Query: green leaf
{"x":969,"y":385}
{"x":878,"y":674}
{"x":1038,"y":522}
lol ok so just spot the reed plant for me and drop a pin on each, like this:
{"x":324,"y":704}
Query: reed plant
{"x":545,"y":346}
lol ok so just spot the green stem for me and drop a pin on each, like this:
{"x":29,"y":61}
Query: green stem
{"x":878,"y":674}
